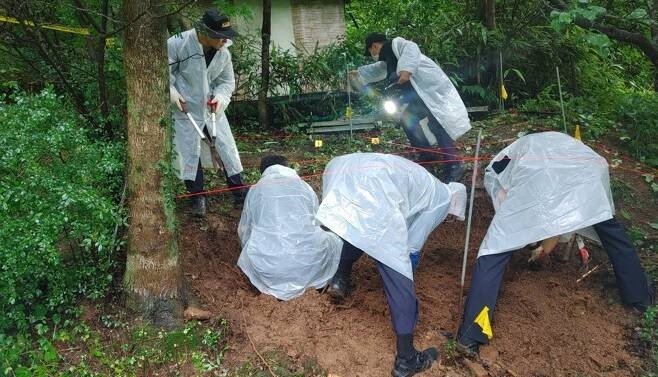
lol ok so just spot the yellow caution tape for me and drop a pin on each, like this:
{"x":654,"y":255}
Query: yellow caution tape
{"x":62,"y":28}
{"x":374,"y":140}
{"x":318,"y":143}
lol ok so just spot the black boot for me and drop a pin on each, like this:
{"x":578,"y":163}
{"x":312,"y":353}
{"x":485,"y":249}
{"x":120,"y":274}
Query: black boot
{"x":418,"y":362}
{"x":239,"y":194}
{"x":338,"y":287}
{"x":453,"y":172}
{"x":468,"y":350}
{"x":199,"y":206}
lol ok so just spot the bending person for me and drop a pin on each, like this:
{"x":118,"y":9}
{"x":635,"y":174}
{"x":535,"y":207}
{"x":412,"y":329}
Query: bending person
{"x":284,"y":250}
{"x":545,"y":185}
{"x":201,"y":82}
{"x":386,"y":206}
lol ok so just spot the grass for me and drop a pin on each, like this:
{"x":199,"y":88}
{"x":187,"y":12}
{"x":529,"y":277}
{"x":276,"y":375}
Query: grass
{"x":117,"y":348}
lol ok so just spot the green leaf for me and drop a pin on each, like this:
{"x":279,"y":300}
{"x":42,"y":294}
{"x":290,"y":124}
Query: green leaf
{"x":598,"y":40}
{"x":639,"y":13}
{"x":648,"y":178}
{"x":654,"y":186}
{"x":565,"y":18}
{"x":625,"y":214}
{"x":654,"y":225}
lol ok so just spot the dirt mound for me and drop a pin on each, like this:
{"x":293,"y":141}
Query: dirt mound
{"x":545,"y":323}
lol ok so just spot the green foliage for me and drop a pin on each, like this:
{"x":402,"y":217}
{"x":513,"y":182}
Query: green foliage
{"x":70,"y":62}
{"x":58,"y":206}
{"x":130,"y":351}
{"x":649,"y":336}
{"x":303,"y":84}
{"x":282,"y":365}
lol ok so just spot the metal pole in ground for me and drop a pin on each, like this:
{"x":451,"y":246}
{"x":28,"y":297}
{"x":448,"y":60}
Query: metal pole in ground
{"x":349,"y":98}
{"x":559,"y":88}
{"x":470,"y":216}
{"x":500,"y":89}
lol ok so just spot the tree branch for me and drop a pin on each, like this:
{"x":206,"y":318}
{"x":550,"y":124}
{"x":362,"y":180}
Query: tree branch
{"x":640,"y":41}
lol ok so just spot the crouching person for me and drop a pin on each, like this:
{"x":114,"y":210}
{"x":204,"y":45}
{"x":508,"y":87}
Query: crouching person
{"x":542,"y":186}
{"x":386,"y":206}
{"x":284,"y":250}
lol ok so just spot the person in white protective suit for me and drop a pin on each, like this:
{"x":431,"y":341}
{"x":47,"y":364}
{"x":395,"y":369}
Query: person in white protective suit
{"x":201,"y":82}
{"x":284,"y":250}
{"x":545,"y":185}
{"x":432,"y":99}
{"x":386,"y":206}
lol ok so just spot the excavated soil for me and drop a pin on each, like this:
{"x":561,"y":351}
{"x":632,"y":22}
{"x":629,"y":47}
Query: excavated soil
{"x":546,"y":324}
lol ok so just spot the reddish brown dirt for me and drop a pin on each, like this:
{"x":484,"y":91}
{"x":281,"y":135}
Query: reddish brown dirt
{"x":546,"y":324}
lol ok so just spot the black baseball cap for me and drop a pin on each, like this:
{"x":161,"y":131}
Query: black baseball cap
{"x":216,"y":25}
{"x":372,"y":38}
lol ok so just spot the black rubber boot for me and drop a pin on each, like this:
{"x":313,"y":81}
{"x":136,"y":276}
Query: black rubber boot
{"x":417,"y":363}
{"x":199,"y":206}
{"x":338,"y":287}
{"x":651,"y":300}
{"x":453,"y":172}
{"x":467,"y":350}
{"x":239,"y":194}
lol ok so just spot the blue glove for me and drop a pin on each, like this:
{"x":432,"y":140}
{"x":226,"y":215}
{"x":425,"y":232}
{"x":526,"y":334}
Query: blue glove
{"x":415,"y":259}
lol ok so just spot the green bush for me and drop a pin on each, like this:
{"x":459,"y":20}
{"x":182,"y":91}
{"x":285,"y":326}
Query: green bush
{"x":58,"y":209}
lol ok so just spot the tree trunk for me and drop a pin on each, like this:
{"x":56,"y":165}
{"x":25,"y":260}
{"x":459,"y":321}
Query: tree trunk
{"x":263,"y":111}
{"x":100,"y":66}
{"x":153,"y":277}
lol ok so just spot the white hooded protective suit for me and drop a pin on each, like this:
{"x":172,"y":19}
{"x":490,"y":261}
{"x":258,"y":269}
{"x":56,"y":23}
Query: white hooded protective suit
{"x":386,"y":205}
{"x":429,"y":81}
{"x":284,"y":250}
{"x":553,"y":184}
{"x":189,"y":76}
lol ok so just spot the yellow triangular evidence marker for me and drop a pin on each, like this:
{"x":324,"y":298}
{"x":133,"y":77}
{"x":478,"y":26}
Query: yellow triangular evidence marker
{"x":576,"y":134}
{"x":318,"y":143}
{"x":483,"y":320}
{"x":374,"y":140}
{"x":503,"y":92}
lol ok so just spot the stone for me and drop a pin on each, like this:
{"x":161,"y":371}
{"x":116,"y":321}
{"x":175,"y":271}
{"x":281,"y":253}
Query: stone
{"x":193,"y":313}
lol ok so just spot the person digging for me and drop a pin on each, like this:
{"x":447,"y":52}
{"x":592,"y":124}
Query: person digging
{"x":542,"y":186}
{"x":386,"y":206}
{"x":284,"y":250}
{"x":201,"y":82}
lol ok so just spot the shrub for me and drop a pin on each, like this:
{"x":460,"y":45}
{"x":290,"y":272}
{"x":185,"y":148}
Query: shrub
{"x":58,"y":209}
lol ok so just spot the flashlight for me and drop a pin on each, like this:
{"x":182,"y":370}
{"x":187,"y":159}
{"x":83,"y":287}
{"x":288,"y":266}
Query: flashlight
{"x":390,"y":107}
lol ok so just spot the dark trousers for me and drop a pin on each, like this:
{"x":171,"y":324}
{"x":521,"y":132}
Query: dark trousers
{"x":489,"y":269}
{"x":400,"y":290}
{"x":411,"y":117}
{"x":197,"y":184}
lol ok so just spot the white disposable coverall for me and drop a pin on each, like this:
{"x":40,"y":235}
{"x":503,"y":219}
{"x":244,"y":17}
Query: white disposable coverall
{"x":284,"y":250}
{"x":429,"y":81}
{"x":553,"y":184}
{"x":385,"y":205}
{"x":189,"y":76}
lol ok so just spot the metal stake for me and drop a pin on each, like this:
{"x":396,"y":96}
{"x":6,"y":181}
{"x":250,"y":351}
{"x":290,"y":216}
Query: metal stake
{"x":559,"y":88}
{"x":470,"y":214}
{"x":502,"y":101}
{"x":349,"y":97}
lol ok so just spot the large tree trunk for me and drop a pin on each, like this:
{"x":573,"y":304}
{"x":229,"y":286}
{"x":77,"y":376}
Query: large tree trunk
{"x":153,"y":277}
{"x":263,"y":111}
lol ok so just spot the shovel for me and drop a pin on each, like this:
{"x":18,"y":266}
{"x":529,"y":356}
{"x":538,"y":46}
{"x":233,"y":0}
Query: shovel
{"x":209,"y":143}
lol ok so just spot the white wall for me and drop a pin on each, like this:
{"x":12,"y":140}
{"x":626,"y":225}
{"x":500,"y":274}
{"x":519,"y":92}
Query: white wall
{"x":282,"y":25}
